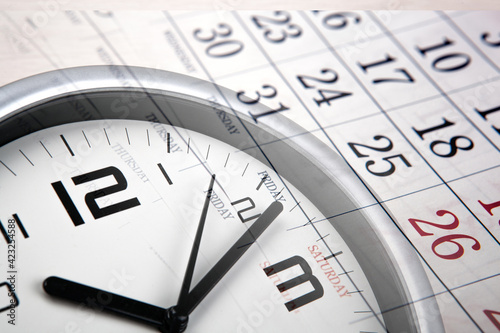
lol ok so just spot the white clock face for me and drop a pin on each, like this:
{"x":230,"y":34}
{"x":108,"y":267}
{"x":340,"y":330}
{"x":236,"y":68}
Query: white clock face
{"x":115,"y":205}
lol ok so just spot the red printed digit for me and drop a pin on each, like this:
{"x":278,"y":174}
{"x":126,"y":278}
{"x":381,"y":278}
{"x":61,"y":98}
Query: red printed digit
{"x":491,"y":316}
{"x":447,"y":238}
{"x":453,"y":225}
{"x":490,"y":207}
{"x":450,"y":239}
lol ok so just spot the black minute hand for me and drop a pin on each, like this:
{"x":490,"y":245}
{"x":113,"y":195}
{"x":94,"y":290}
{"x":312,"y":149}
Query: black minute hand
{"x":186,"y":283}
{"x":177,"y":316}
{"x":232,"y":256}
{"x":150,"y":314}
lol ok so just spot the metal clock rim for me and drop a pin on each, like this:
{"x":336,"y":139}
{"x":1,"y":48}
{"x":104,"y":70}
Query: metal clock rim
{"x":411,"y":283}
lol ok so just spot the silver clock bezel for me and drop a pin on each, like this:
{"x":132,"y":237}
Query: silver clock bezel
{"x":387,"y":258}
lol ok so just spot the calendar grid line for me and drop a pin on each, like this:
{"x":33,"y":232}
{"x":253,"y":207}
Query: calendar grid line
{"x":399,"y":130}
{"x":436,"y":86}
{"x":337,"y":260}
{"x":450,"y":92}
{"x":445,"y":292}
{"x":320,"y":128}
{"x":464,"y":36}
{"x":280,"y":62}
{"x":385,"y":209}
{"x":444,"y":183}
{"x":458,"y":109}
{"x":429,"y":135}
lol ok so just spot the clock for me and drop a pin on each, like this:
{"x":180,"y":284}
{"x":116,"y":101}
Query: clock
{"x":135,"y":199}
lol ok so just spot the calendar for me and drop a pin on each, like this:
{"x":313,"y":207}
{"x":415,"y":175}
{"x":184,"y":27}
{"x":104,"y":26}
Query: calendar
{"x":409,"y":99}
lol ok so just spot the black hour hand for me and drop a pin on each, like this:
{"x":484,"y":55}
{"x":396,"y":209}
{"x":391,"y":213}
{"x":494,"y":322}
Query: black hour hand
{"x":101,"y":300}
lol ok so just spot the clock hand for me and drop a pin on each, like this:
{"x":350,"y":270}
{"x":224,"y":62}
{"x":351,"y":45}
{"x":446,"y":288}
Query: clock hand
{"x":169,"y":320}
{"x":186,"y":283}
{"x":228,"y":260}
{"x":102,"y":300}
{"x":178,"y":315}
{"x":158,"y":317}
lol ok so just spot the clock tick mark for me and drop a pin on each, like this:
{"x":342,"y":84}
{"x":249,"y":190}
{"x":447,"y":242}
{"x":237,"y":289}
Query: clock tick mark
{"x":334,"y":255}
{"x":323,"y":237}
{"x":348,"y":272}
{"x":168,"y":143}
{"x":45,"y":149}
{"x":310,"y":221}
{"x":147,"y":134}
{"x":355,"y":292}
{"x":262,"y":182}
{"x":165,"y":174}
{"x":5,"y":234}
{"x":107,"y":138}
{"x":298,"y":204}
{"x":227,"y":159}
{"x":8,"y":168}
{"x":189,"y":142}
{"x":26,"y":157}
{"x":86,"y":139}
{"x":67,"y":145}
{"x":128,"y":138}
{"x":208,"y":152}
{"x":303,"y":225}
{"x":277,"y":194}
{"x":245,"y":170}
{"x":20,"y":225}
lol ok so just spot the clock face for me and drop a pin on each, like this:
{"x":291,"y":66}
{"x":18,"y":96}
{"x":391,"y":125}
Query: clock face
{"x":115,"y":205}
{"x":146,"y":195}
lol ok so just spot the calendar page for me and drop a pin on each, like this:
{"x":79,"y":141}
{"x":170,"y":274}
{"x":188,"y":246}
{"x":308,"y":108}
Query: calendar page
{"x":410,"y":99}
